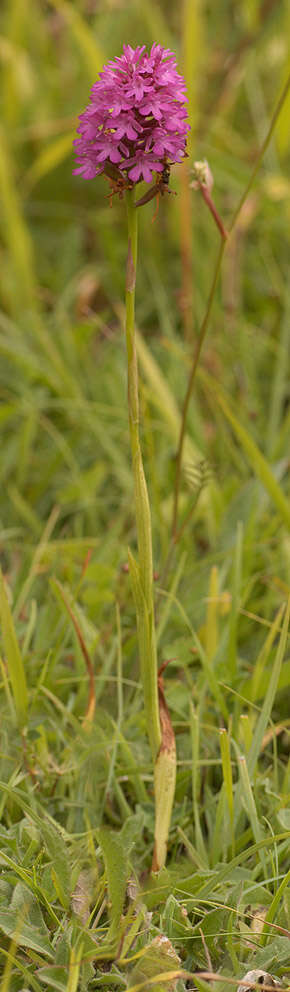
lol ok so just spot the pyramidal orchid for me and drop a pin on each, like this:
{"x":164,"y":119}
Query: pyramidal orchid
{"x":136,"y":118}
{"x":134,"y":128}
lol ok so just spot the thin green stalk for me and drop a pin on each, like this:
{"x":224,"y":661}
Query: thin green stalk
{"x":207,"y":315}
{"x":262,"y":151}
{"x":142,"y":576}
{"x":192,"y":375}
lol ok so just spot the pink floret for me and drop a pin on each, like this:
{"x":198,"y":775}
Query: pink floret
{"x":137,"y":118}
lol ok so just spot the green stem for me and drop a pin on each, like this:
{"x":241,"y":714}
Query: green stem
{"x":144,"y":602}
{"x":191,"y":379}
{"x":205,"y":322}
{"x":261,"y":154}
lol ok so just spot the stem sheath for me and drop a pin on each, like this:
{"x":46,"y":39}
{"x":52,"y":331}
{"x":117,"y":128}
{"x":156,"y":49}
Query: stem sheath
{"x":142,"y":578}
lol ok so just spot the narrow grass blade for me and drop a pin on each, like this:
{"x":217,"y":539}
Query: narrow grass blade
{"x":269,"y":698}
{"x":193,"y":43}
{"x":218,"y":839}
{"x":6,"y":685}
{"x":246,"y":732}
{"x":211,"y":678}
{"x":163,"y":980}
{"x":194,"y":733}
{"x":24,"y":510}
{"x":163,"y":398}
{"x":191,"y":850}
{"x":255,"y":687}
{"x":250,"y":807}
{"x":279,"y":381}
{"x":228,"y":780}
{"x":75,"y":614}
{"x":28,"y":977}
{"x":271,"y":912}
{"x":257,"y":460}
{"x":33,"y":571}
{"x":157,"y":24}
{"x":211,"y":625}
{"x":170,"y":598}
{"x":225,"y":872}
{"x":9,"y":964}
{"x":17,"y":237}
{"x":75,"y":962}
{"x":13,"y":657}
{"x":234,"y":614}
{"x":90,"y":50}
{"x":49,"y":158}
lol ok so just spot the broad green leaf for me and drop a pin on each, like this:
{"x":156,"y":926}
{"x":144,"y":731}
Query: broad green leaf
{"x":116,"y":864}
{"x":158,"y":957}
{"x":276,"y":951}
{"x":132,"y":830}
{"x":55,"y":976}
{"x":24,"y":923}
{"x":58,"y":852}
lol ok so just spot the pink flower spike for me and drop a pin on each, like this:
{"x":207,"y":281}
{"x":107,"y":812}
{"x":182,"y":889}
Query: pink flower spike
{"x":136,"y":119}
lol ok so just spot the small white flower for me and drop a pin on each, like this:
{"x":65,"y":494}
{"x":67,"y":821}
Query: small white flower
{"x":202,"y":175}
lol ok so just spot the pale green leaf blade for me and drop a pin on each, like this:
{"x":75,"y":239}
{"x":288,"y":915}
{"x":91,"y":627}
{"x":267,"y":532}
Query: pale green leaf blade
{"x":13,"y":657}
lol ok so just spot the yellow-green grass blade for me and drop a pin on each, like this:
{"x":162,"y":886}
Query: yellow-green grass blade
{"x":271,"y":912}
{"x":13,"y":658}
{"x":17,"y":237}
{"x":254,"y":689}
{"x":162,"y":397}
{"x":194,"y":733}
{"x":257,"y":460}
{"x":211,"y":625}
{"x":228,"y":780}
{"x":250,"y":808}
{"x":85,"y":39}
{"x":48,"y":159}
{"x":270,"y":696}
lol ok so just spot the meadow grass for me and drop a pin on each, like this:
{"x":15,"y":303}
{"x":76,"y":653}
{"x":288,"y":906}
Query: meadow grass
{"x":78,"y":906}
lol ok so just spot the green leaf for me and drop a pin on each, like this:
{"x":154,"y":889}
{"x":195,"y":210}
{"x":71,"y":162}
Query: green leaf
{"x":158,"y":957}
{"x":24,"y":923}
{"x":132,"y":830}
{"x":58,"y":852}
{"x":117,"y":870}
{"x":275,"y":955}
{"x":55,"y":976}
